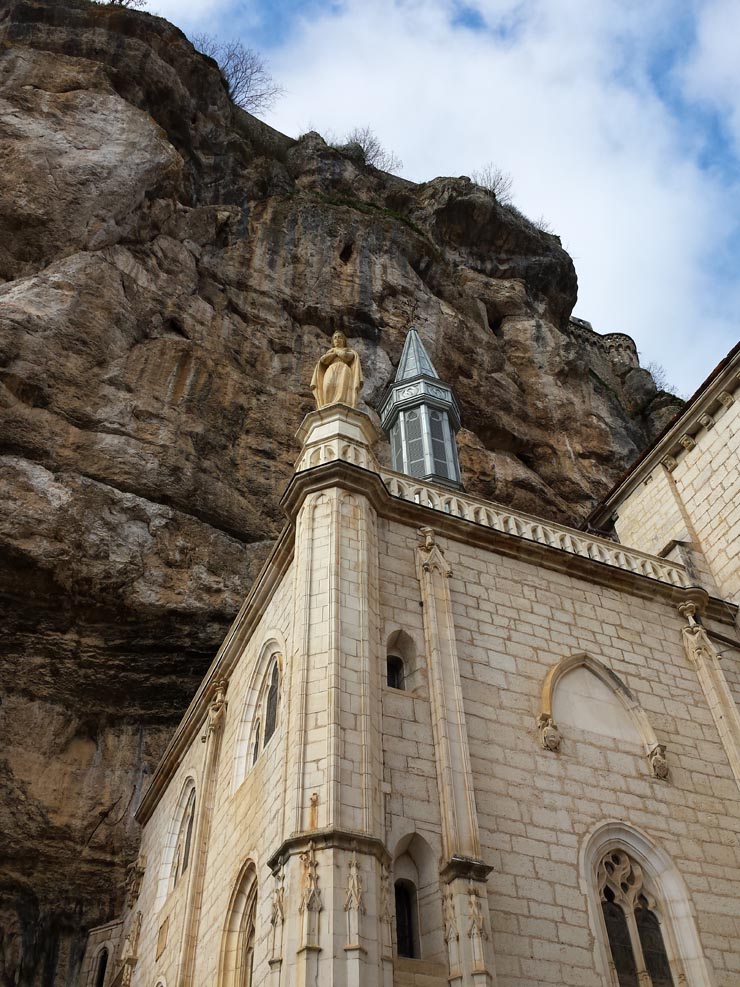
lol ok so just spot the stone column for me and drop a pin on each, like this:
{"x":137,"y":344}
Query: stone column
{"x":702,"y":655}
{"x":466,"y":912}
{"x":332,"y":852}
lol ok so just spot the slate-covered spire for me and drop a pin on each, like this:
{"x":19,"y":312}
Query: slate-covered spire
{"x":420,"y":415}
{"x":414,"y":361}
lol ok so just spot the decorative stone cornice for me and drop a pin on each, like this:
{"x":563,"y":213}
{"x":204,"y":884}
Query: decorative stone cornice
{"x":328,"y":839}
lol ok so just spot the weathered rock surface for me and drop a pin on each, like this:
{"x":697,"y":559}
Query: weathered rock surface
{"x":170,"y":268}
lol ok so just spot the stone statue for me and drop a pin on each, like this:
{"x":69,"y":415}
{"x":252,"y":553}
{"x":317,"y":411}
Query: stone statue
{"x":337,"y":377}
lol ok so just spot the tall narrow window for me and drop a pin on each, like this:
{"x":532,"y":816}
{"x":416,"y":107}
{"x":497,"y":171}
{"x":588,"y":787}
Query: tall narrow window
{"x":256,"y":747}
{"x":237,"y":949}
{"x":101,"y":968}
{"x":395,"y":676}
{"x":272,"y":703}
{"x":184,"y":839}
{"x":632,"y":925}
{"x":245,"y":973}
{"x":406,"y":938}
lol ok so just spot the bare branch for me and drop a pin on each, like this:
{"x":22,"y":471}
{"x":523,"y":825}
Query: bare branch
{"x":496,"y":182}
{"x":127,"y":3}
{"x":373,"y":151}
{"x":250,"y":84}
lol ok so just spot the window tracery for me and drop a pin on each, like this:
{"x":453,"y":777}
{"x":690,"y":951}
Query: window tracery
{"x":632,"y":924}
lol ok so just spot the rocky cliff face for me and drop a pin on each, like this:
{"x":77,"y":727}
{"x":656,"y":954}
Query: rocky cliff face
{"x":170,"y":269}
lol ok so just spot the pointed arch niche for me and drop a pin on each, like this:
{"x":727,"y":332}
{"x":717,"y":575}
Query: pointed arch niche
{"x":261,"y":712}
{"x":401,"y":652}
{"x":659,"y":888}
{"x":236,"y":967}
{"x":581,"y":692}
{"x":177,"y":853}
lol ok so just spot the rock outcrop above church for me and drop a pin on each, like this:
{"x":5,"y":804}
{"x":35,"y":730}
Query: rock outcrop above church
{"x":171,"y":269}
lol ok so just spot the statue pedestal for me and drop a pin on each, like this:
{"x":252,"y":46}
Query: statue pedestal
{"x":337,"y":432}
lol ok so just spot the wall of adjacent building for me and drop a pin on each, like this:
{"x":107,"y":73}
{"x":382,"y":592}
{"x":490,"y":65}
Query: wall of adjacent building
{"x":695,"y":499}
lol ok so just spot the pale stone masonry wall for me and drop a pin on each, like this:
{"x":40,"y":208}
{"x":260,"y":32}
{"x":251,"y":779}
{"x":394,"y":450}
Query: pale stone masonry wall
{"x":246,"y":825}
{"x":362,"y":784}
{"x":514,"y":622}
{"x":695,"y":499}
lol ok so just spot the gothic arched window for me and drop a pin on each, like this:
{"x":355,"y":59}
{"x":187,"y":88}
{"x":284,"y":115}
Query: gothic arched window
{"x":238,"y":945}
{"x":271,"y":706}
{"x":101,"y":967}
{"x":267,"y":710}
{"x":632,"y":924}
{"x":184,"y":840}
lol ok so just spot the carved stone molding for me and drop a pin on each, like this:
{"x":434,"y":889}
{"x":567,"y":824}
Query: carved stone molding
{"x":706,"y":420}
{"x":134,"y":877}
{"x":549,"y":734}
{"x":658,"y":762}
{"x":354,"y":906}
{"x":669,"y":462}
{"x":310,"y":904}
{"x":725,"y":398}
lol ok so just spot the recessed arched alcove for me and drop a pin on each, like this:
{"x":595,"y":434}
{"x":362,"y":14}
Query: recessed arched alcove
{"x":581,"y":693}
{"x":417,"y":888}
{"x":403,"y":668}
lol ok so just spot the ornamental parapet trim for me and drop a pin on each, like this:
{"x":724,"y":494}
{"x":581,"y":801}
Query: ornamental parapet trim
{"x":534,"y":529}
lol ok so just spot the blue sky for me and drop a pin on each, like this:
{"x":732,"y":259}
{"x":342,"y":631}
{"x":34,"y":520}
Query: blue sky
{"x":618,"y":120}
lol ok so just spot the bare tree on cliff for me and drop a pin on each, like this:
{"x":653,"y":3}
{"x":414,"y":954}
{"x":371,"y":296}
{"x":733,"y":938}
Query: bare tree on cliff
{"x":250,"y":84}
{"x":374,"y":152}
{"x":127,"y":3}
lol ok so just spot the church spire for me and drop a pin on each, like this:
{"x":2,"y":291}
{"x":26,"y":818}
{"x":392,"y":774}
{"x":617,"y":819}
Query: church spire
{"x":420,"y":415}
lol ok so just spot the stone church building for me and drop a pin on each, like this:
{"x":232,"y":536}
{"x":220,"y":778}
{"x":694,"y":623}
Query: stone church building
{"x":447,"y":743}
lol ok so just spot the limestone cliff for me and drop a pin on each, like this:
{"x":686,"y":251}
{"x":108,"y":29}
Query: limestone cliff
{"x":170,"y":268}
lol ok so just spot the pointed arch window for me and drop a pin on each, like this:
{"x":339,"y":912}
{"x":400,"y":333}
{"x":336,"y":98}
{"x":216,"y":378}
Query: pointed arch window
{"x":183,"y":846}
{"x":272,"y":703}
{"x":101,"y":968}
{"x":632,"y":923}
{"x":237,"y":965}
{"x":267,"y":710}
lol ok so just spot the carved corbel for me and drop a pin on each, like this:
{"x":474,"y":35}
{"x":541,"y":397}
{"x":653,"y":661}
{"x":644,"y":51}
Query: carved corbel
{"x":706,"y":420}
{"x":216,"y":709}
{"x":134,"y":876}
{"x":669,"y":462}
{"x":658,"y":762}
{"x":725,"y":398}
{"x":687,"y":441}
{"x":550,"y":737}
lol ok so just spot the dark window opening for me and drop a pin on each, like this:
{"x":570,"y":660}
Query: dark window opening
{"x":406,"y":919}
{"x":395,"y":675}
{"x":619,"y":942}
{"x":653,"y":947}
{"x":272,"y":704}
{"x":188,"y":833}
{"x":256,"y":748}
{"x":102,"y":967}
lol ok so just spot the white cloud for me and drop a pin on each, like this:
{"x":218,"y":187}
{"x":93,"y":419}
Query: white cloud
{"x":712,"y":73}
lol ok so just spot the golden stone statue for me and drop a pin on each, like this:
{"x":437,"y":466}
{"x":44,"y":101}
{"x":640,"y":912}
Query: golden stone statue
{"x":337,"y":377}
